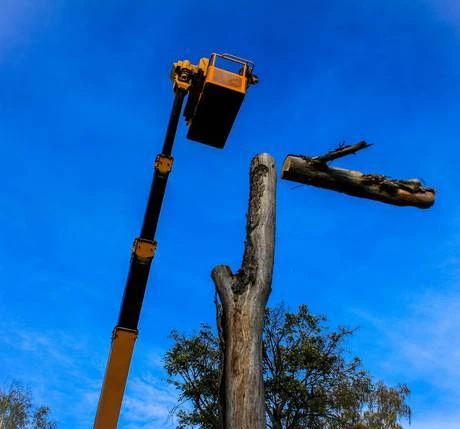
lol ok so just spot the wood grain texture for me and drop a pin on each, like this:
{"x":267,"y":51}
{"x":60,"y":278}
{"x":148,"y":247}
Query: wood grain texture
{"x":314,"y":172}
{"x":243,"y":297}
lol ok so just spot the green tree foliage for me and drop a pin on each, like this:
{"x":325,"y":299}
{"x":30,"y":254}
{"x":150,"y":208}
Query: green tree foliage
{"x":309,"y":382}
{"x":17,"y":412}
{"x":195,"y":362}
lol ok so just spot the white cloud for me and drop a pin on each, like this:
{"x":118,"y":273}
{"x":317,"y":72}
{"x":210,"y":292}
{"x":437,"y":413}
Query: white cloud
{"x":154,"y":358}
{"x":148,"y":403}
{"x":64,"y":373}
{"x":427,"y":339}
{"x":437,"y":422}
{"x":54,"y":366}
{"x":422,"y":347}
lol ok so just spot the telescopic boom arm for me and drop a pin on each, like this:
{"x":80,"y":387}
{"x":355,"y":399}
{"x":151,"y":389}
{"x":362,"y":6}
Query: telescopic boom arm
{"x":125,"y":332}
{"x":215,"y":97}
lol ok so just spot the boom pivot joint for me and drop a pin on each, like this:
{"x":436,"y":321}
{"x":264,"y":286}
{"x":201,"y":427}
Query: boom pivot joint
{"x":182,"y":74}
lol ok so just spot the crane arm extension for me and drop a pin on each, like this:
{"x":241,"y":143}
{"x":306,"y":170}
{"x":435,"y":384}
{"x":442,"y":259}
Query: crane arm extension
{"x":125,"y":332}
{"x":140,"y":261}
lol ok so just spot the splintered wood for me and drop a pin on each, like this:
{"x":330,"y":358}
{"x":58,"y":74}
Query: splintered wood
{"x":315,"y":171}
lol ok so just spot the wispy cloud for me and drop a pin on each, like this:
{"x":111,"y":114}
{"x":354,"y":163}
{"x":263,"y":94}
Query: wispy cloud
{"x":55,"y":366}
{"x":154,"y":358}
{"x":427,"y":339}
{"x":64,"y":373}
{"x":437,"y":422}
{"x":148,"y":403}
{"x":423,"y":347}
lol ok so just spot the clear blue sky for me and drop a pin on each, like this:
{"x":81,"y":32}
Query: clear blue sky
{"x":84,"y":101}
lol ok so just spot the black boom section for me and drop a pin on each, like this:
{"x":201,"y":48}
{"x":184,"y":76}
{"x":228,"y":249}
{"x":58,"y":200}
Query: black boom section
{"x":139,"y":269}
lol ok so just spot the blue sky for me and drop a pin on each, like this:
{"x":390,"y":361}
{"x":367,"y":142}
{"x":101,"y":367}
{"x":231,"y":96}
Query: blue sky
{"x":84,"y":102}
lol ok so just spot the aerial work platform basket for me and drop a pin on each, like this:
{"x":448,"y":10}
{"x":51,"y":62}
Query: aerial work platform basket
{"x":215,"y":98}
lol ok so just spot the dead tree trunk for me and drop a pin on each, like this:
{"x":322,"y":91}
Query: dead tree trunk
{"x":243,"y":297}
{"x":314,"y":171}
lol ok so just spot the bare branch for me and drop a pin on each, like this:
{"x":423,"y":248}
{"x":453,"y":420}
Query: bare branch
{"x":342,"y":151}
{"x":309,"y":171}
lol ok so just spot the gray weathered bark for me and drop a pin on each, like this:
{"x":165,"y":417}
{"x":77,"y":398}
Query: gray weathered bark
{"x":243,"y":297}
{"x":314,"y":171}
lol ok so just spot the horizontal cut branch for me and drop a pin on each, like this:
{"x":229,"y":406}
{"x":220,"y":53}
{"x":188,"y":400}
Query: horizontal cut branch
{"x":315,"y":172}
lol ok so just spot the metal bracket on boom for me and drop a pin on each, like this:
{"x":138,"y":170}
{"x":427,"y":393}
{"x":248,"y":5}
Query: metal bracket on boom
{"x":163,"y":164}
{"x":143,"y":250}
{"x":182,"y":74}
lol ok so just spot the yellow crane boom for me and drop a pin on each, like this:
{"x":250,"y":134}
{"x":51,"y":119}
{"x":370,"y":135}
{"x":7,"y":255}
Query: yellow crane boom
{"x":215,"y":93}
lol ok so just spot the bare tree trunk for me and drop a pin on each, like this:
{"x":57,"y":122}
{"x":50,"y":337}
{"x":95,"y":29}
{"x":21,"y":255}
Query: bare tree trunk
{"x":314,"y":171}
{"x":243,"y":297}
